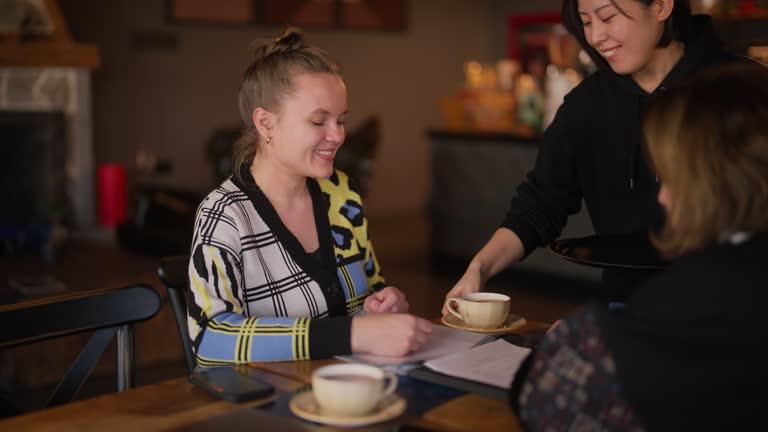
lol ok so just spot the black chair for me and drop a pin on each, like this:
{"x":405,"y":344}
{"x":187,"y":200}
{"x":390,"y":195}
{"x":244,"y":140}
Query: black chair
{"x":173,"y":273}
{"x":162,"y":221}
{"x":358,"y":154}
{"x":107,"y":313}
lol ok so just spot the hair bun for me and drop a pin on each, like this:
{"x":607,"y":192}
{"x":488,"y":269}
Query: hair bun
{"x":291,"y":37}
{"x":289,"y":41}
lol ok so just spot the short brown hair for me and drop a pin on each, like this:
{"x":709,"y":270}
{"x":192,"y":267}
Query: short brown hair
{"x":269,"y":79}
{"x":708,"y":142}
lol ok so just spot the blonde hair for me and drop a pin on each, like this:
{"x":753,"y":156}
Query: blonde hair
{"x":269,"y":79}
{"x":708,"y":142}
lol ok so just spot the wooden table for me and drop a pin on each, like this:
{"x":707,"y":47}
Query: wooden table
{"x":178,"y":405}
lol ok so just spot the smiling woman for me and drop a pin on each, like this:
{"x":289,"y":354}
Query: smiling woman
{"x":281,"y":258}
{"x":307,"y":130}
{"x":631,"y":37}
{"x":591,"y":151}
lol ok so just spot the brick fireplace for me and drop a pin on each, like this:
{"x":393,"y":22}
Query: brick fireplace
{"x":46,"y":74}
{"x":46,"y":94}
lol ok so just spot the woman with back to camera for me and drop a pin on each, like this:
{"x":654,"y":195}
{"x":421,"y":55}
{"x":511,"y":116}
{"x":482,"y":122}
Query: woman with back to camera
{"x":687,"y":351}
{"x":591,"y":151}
{"x":281,"y":258}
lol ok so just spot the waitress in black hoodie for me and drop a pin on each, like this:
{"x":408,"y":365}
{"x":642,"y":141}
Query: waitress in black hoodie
{"x":591,"y":151}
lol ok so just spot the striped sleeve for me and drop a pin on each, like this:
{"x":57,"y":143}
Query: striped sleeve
{"x":228,"y":336}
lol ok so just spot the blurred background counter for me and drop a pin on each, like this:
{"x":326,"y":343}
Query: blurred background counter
{"x":474,"y":175}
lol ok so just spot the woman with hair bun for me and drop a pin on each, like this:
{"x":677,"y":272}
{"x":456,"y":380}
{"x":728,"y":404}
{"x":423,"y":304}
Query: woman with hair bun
{"x":281,"y":259}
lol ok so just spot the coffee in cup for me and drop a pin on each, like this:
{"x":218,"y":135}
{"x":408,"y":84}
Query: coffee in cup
{"x":351,"y":389}
{"x":481,"y":310}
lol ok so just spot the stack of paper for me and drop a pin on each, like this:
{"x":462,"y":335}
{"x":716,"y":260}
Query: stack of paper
{"x":494,"y":363}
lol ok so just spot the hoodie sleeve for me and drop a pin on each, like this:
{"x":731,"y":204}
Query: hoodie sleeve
{"x":550,"y":193}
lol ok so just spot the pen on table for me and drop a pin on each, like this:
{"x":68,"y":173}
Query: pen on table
{"x":485,"y":340}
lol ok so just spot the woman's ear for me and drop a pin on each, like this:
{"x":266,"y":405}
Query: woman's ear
{"x":663,"y":9}
{"x":263,"y":121}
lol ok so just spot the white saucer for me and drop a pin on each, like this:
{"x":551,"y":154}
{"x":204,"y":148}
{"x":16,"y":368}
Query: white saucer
{"x":305,"y":406}
{"x":513,"y":322}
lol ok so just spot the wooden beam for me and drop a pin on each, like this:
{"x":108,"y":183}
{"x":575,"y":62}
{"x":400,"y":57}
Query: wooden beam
{"x":61,"y":31}
{"x":49,"y":54}
{"x":55,"y":50}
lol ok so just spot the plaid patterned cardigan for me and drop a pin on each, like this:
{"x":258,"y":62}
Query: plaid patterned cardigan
{"x":257,"y":295}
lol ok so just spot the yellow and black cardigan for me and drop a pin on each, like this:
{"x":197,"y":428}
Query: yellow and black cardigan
{"x":256,"y":295}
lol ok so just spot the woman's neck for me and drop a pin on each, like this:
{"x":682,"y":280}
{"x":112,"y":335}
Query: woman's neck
{"x":280,"y":187}
{"x":662,"y":61}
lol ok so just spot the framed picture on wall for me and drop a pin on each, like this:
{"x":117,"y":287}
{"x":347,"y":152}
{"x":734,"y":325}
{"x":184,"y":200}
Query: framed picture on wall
{"x":208,"y":12}
{"x":528,"y":38}
{"x":374,"y":14}
{"x":351,"y":14}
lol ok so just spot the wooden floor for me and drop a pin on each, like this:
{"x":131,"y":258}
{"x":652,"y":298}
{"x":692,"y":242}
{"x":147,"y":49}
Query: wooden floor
{"x":402,"y":246}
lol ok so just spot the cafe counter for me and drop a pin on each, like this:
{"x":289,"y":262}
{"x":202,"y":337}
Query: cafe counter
{"x":473,"y":176}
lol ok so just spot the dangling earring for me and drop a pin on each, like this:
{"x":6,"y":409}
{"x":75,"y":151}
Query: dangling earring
{"x":269,"y":140}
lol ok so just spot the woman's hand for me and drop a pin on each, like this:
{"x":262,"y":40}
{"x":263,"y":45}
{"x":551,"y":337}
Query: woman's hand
{"x":389,"y":334}
{"x":503,"y":249}
{"x":389,"y":299}
{"x":471,"y":282}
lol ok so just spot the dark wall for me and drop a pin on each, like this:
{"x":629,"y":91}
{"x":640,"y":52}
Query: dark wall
{"x":164,"y":88}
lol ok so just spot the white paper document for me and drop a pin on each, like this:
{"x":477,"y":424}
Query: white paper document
{"x":442,"y":342}
{"x":494,"y":363}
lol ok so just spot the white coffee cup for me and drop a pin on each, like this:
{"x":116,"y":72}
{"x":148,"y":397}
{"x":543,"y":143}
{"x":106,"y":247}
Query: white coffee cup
{"x":481,"y":310}
{"x":351,"y":389}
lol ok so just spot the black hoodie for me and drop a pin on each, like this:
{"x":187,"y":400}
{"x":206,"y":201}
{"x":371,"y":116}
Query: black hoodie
{"x":689,"y":347}
{"x":592,"y":151}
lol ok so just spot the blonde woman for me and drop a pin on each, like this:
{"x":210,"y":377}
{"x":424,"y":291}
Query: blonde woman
{"x":281,"y":258}
{"x":688,"y":350}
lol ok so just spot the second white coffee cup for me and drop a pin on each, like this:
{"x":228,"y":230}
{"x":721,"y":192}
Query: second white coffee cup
{"x":482,"y":310}
{"x":351,"y":389}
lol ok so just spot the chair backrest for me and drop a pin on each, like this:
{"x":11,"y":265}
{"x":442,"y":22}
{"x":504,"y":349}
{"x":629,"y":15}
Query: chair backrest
{"x":356,"y":157}
{"x":173,"y":272}
{"x":106,"y":312}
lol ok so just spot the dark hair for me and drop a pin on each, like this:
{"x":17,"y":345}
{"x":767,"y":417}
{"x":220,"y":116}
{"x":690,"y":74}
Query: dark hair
{"x":675,"y":27}
{"x":268,"y":80}
{"x":708,"y":142}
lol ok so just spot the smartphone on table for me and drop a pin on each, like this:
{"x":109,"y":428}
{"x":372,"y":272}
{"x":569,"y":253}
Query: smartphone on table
{"x":232,"y":383}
